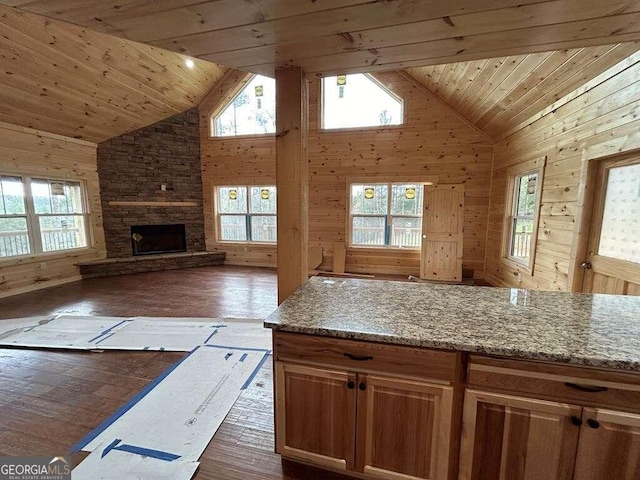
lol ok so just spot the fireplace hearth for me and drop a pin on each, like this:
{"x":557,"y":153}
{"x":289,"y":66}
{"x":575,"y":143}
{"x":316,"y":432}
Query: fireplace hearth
{"x":158,"y":239}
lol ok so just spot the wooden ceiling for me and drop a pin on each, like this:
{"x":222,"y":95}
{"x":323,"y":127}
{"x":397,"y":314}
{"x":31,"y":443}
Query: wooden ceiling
{"x":65,"y":79}
{"x":340,"y":36}
{"x":499,"y":94}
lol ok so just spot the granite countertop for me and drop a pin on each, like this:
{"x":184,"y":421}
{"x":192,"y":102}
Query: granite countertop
{"x":584,"y":329}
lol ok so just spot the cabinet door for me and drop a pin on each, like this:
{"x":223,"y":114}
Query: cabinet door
{"x":513,"y":438}
{"x":404,"y":428}
{"x":315,"y":415}
{"x":609,"y":447}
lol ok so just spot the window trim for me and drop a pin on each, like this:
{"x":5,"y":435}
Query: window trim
{"x":34,"y":232}
{"x":388,"y":216}
{"x":228,"y":98}
{"x":533,"y":166}
{"x":247,"y":215}
{"x":374,"y":79}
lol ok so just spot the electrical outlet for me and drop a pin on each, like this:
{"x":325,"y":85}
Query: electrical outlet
{"x":43,"y":265}
{"x":163,"y":187}
{"x":519,"y":277}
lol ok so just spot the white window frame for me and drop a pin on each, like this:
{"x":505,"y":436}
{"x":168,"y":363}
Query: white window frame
{"x":222,"y":107}
{"x":34,"y":233}
{"x":388,"y":216}
{"x":371,"y":77}
{"x":514,"y":173}
{"x":248,"y":215}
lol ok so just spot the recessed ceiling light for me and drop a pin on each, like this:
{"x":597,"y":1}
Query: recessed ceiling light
{"x":189,"y":63}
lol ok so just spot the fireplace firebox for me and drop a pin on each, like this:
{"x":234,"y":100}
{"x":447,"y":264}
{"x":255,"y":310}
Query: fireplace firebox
{"x":156,"y":239}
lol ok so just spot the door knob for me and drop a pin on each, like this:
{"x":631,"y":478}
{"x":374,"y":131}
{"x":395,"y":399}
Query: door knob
{"x":586,"y":265}
{"x":424,"y":236}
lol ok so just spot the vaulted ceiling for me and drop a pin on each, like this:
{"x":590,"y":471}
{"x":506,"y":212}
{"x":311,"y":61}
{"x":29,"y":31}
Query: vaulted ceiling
{"x":499,"y":94}
{"x":340,"y":36}
{"x":68,"y":80}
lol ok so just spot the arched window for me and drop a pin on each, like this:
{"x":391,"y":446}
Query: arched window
{"x":251,"y":112}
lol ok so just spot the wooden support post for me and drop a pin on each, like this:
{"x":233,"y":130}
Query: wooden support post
{"x":292,"y":172}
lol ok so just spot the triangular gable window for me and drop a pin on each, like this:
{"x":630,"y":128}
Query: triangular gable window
{"x":359,"y":100}
{"x":251,"y":112}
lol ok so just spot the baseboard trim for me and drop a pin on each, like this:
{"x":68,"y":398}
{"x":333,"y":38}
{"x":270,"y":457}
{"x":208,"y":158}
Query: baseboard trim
{"x":40,"y":286}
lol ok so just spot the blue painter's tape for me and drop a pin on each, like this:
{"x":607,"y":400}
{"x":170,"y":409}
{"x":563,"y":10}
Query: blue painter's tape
{"x":126,"y":407}
{"x":110,"y":447}
{"x":212,"y":334}
{"x":105,"y":337}
{"x":147,"y":452}
{"x":226,"y":357}
{"x":108,"y":330}
{"x":255,"y":371}
{"x":239,"y":348}
{"x":243,"y":357}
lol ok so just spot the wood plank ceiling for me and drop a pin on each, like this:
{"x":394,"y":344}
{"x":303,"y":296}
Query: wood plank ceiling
{"x":500,"y":94}
{"x":68,"y":80}
{"x":340,"y":36}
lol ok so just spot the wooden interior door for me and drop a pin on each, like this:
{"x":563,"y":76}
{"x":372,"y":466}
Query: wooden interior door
{"x":315,"y":415}
{"x":613,"y":261}
{"x":513,"y":438}
{"x":442,"y":232}
{"x":404,"y":428}
{"x":609,"y":447}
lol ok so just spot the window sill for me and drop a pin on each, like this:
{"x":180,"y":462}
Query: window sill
{"x":364,"y":248}
{"x":362,"y":129}
{"x":243,"y":137}
{"x":42,"y":257}
{"x":520,"y":267}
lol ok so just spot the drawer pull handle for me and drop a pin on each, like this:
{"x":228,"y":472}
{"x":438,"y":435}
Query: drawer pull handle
{"x":351,"y":385}
{"x":358,"y":358}
{"x":586,"y":388}
{"x":577,"y":421}
{"x":362,"y":386}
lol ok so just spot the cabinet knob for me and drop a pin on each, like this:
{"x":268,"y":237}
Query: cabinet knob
{"x":577,"y":421}
{"x":362,"y":386}
{"x":351,"y":385}
{"x":593,"y":423}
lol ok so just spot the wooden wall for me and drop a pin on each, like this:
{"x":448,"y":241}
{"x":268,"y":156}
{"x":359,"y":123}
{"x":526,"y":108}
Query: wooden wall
{"x":600,"y":116}
{"x":434,"y":143}
{"x":29,"y":152}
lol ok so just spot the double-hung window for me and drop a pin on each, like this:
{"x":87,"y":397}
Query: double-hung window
{"x":247,"y":214}
{"x":39,"y":215}
{"x":521,"y":220}
{"x":386,"y":215}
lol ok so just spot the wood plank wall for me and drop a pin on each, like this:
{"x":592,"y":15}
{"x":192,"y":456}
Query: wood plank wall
{"x":604,"y":112}
{"x":29,"y":152}
{"x":434,"y":142}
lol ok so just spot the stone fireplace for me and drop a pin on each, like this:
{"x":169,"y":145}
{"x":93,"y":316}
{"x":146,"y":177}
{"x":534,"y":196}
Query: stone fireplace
{"x":152,"y":177}
{"x":151,"y":188}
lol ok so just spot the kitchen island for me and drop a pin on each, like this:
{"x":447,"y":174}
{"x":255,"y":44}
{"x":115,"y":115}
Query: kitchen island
{"x":381,"y":379}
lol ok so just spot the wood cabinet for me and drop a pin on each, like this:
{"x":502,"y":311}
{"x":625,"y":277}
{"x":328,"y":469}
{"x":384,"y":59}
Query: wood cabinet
{"x":377,"y":411}
{"x":609,"y":447}
{"x":513,"y":438}
{"x":316,"y":414}
{"x":345,"y":410}
{"x":548,"y":423}
{"x":404,"y":428}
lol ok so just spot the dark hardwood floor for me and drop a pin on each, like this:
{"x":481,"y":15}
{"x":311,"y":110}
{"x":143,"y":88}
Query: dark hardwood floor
{"x":51,"y":399}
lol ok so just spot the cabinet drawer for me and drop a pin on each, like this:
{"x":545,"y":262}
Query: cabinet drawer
{"x":578,"y":385}
{"x":365,"y":356}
